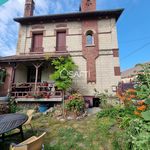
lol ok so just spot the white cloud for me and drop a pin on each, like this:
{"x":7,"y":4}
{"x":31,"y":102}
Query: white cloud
{"x":15,"y":8}
{"x":8,"y":28}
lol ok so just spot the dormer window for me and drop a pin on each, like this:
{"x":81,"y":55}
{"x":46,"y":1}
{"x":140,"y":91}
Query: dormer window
{"x":89,"y":38}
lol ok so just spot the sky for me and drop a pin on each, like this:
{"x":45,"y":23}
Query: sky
{"x":133,"y":26}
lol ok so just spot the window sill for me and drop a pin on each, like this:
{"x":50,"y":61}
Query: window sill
{"x":36,"y":52}
{"x":61,"y":51}
{"x":93,"y":45}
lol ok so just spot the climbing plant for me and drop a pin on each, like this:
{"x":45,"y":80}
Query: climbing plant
{"x":63,"y":74}
{"x":64,"y":68}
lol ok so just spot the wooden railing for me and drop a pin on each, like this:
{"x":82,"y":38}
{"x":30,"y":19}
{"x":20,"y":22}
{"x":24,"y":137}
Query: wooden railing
{"x":27,"y":90}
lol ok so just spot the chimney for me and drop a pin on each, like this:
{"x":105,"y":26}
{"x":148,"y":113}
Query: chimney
{"x":88,"y":5}
{"x":29,"y":8}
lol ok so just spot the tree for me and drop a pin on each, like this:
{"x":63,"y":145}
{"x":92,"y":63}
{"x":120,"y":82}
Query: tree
{"x":143,"y":82}
{"x":64,"y":68}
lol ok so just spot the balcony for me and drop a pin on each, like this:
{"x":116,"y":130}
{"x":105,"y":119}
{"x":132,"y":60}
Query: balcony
{"x":36,"y":92}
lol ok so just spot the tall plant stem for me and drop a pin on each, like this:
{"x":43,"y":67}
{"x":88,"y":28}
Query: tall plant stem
{"x":63,"y":99}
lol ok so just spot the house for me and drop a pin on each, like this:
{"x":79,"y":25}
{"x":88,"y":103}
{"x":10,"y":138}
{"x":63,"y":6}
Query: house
{"x":88,"y":36}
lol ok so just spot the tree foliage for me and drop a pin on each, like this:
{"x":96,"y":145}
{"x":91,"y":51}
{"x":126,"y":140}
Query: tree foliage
{"x":64,"y":68}
{"x":143,"y":82}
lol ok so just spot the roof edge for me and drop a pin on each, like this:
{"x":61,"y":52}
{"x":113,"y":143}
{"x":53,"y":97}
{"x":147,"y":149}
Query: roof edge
{"x":70,"y":16}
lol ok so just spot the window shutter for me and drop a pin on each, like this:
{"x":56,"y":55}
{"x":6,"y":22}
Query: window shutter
{"x":117,"y":71}
{"x":61,"y":41}
{"x":37,"y":42}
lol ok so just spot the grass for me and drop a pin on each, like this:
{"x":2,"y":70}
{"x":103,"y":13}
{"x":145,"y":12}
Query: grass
{"x":88,"y":134}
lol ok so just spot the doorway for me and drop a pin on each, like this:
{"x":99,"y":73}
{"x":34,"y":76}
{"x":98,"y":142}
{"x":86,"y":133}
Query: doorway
{"x":96,"y":102}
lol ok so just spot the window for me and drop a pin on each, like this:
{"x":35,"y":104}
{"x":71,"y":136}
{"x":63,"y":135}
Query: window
{"x":32,"y":73}
{"x":37,"y":42}
{"x":89,"y":38}
{"x":61,"y":41}
{"x":2,"y":75}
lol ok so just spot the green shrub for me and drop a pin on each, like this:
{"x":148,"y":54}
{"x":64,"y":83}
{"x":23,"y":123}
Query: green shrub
{"x":112,"y":112}
{"x":138,"y":134}
{"x":75,"y":102}
{"x":146,"y":115}
{"x":103,"y":98}
{"x":143,"y":82}
{"x":115,"y":112}
{"x":13,"y":105}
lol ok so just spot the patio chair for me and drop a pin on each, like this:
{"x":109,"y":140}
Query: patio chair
{"x":30,"y":115}
{"x":33,"y":143}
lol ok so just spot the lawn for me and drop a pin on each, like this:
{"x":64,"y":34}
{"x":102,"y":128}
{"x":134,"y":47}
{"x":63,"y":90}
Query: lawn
{"x":87,"y":134}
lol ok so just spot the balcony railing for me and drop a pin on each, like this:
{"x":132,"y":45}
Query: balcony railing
{"x":43,"y":90}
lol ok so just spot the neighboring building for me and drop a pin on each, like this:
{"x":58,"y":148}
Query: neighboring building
{"x":88,"y":36}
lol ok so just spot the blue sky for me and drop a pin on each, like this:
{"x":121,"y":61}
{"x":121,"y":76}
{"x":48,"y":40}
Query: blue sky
{"x":133,"y":25}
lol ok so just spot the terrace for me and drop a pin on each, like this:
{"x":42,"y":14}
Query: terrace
{"x":41,"y":91}
{"x":28,"y":78}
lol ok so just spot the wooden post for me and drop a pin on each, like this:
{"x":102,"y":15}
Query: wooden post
{"x":63,"y":96}
{"x":12,"y":79}
{"x":36,"y":77}
{"x":37,"y":66}
{"x":14,"y":72}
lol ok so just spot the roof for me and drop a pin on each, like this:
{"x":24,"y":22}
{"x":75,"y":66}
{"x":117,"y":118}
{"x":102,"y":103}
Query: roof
{"x":115,"y":13}
{"x":33,"y":57}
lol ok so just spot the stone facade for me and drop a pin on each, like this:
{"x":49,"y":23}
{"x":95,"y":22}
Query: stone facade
{"x":105,"y":63}
{"x":98,"y":64}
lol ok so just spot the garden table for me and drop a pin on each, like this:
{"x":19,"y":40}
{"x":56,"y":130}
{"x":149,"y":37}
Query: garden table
{"x":10,"y":122}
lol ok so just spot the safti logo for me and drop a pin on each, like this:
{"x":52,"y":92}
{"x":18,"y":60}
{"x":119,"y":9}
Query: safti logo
{"x":74,"y":74}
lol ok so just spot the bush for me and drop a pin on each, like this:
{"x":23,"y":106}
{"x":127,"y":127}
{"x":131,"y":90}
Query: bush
{"x":13,"y":105}
{"x":115,"y":112}
{"x":103,"y":98}
{"x":138,"y":134}
{"x":112,"y":112}
{"x":75,"y":102}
